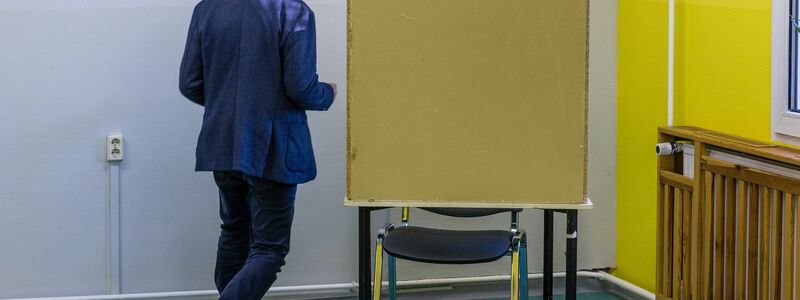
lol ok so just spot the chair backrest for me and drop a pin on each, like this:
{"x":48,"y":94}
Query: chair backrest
{"x":468,"y":212}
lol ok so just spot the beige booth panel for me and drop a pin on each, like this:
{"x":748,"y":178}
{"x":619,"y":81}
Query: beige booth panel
{"x":469,"y":103}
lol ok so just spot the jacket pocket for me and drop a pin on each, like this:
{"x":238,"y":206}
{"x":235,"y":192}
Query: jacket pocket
{"x":299,"y":152}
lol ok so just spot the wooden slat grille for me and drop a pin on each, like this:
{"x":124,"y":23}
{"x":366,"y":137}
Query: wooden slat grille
{"x":737,"y":239}
{"x":675,"y":236}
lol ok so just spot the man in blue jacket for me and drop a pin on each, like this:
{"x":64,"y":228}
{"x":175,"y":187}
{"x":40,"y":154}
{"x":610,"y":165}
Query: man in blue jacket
{"x":252,"y":65}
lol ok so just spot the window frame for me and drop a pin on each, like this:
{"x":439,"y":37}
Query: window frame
{"x":793,"y":56}
{"x":785,"y":122}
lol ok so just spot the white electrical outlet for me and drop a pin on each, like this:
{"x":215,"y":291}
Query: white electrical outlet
{"x":114,"y":145}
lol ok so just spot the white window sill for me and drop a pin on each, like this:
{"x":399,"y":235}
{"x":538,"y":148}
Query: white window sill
{"x":787,"y":129}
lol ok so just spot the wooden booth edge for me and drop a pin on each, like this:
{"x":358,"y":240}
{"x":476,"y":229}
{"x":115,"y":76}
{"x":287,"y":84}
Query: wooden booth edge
{"x":586,"y":205}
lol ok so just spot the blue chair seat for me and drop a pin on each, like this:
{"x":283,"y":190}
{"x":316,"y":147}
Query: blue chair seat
{"x":447,"y":246}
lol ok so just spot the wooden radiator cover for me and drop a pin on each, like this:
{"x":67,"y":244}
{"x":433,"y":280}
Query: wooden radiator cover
{"x":731,"y":232}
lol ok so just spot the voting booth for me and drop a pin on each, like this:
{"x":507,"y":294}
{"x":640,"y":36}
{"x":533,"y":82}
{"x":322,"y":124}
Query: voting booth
{"x":468,"y":103}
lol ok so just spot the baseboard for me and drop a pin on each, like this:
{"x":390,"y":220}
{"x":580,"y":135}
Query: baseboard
{"x":351,"y":289}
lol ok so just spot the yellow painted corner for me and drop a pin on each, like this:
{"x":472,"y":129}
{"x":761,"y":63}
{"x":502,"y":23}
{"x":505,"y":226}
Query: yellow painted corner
{"x":722,"y":82}
{"x":641,"y":108}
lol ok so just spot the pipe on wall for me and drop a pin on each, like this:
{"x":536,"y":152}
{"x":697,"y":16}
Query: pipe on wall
{"x":671,"y":63}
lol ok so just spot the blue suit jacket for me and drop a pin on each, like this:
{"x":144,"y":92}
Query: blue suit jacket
{"x":252,"y":65}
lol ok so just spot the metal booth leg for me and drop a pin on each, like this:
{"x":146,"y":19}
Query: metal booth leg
{"x":572,"y":254}
{"x":548,"y":255}
{"x":364,"y":254}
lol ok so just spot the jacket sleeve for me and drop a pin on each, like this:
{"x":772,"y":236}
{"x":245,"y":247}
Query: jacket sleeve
{"x":300,"y":78}
{"x":191,"y":73}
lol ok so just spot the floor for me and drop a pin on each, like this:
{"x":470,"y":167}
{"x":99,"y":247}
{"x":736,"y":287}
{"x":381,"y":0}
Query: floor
{"x":588,"y":288}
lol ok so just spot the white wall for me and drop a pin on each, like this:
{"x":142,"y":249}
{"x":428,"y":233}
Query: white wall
{"x":72,"y":71}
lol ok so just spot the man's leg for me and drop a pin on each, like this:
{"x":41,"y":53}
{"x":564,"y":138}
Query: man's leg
{"x":234,"y":239}
{"x":271,"y":212}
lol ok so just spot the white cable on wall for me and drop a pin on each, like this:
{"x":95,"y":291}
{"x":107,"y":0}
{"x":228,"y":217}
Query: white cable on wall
{"x":671,"y":64}
{"x":113,"y":230}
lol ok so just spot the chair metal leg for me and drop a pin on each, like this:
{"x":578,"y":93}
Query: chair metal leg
{"x":515,"y":273}
{"x":376,"y":295}
{"x":392,"y":277}
{"x":523,"y":265}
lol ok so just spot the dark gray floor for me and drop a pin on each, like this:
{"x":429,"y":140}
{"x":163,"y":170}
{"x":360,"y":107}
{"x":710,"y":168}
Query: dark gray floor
{"x":588,"y":288}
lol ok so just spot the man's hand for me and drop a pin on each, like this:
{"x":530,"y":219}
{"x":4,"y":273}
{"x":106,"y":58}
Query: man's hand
{"x":333,"y":85}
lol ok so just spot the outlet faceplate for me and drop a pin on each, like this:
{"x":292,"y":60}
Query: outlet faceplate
{"x":114,"y":145}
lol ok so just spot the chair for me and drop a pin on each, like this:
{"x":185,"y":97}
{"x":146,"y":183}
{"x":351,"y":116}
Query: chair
{"x":439,"y":246}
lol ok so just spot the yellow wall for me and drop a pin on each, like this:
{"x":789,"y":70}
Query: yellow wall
{"x":641,"y":108}
{"x":722,"y":83}
{"x":723,"y":70}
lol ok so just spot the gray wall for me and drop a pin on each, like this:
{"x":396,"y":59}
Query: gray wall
{"x":73,"y":71}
